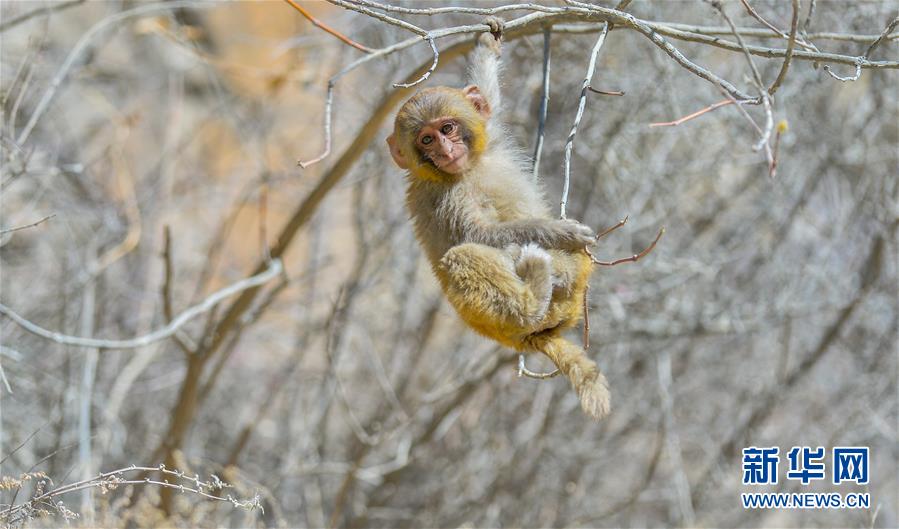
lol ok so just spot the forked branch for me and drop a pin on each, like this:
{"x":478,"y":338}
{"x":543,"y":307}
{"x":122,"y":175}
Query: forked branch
{"x":632,"y":259}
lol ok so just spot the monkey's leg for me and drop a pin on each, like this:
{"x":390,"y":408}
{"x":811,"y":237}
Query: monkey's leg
{"x":507,"y":290}
{"x":590,"y":384}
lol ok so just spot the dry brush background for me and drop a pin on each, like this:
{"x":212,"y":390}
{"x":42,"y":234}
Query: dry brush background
{"x":342,"y":389}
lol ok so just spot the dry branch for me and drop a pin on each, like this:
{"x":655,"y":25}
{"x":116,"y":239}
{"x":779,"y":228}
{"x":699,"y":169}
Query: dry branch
{"x":582,"y":102}
{"x":26,"y":226}
{"x":274,"y":269}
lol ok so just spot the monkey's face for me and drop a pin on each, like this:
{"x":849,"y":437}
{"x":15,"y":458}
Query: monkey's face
{"x":440,"y":132}
{"x":444,"y":142}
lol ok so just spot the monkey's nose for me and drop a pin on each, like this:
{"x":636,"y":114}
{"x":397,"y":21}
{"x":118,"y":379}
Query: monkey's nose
{"x":446,"y":148}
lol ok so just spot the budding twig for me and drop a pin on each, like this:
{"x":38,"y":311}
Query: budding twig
{"x":772,"y":166}
{"x":632,"y":259}
{"x":607,"y":231}
{"x":696,"y":114}
{"x":328,"y":29}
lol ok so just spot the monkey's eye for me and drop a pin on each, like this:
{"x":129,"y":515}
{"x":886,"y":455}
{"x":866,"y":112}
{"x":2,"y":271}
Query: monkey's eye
{"x":448,"y":128}
{"x":426,"y":140}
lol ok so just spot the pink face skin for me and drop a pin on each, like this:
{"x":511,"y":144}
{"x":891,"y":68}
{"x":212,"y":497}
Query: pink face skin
{"x":441,"y":141}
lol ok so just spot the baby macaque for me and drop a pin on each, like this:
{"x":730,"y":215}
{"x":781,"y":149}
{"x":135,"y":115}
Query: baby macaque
{"x":511,"y":271}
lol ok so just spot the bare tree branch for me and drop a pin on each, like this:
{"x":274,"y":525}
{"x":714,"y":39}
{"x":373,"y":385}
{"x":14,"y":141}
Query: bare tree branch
{"x":794,"y":24}
{"x":26,"y":226}
{"x":274,"y":269}
{"x":82,"y":45}
{"x":544,"y":101}
{"x":582,"y":102}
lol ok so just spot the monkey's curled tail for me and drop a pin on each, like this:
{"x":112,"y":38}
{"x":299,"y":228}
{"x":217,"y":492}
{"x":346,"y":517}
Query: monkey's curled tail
{"x":590,"y":384}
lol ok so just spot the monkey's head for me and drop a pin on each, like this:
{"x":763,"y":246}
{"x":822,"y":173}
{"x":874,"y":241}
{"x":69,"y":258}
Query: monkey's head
{"x":440,"y":132}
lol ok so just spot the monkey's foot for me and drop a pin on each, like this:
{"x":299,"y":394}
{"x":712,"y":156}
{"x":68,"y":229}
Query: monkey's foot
{"x":533,"y":262}
{"x":534,"y":267}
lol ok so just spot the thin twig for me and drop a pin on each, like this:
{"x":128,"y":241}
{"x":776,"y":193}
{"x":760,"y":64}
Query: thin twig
{"x":794,"y":24}
{"x":167,"y":281}
{"x":428,"y":72}
{"x":544,"y":101}
{"x":758,"y":17}
{"x":742,"y":110}
{"x":755,"y":71}
{"x":586,"y":307}
{"x":607,"y":231}
{"x":359,"y":8}
{"x":650,"y":32}
{"x":704,"y":30}
{"x":849,"y":78}
{"x":523,"y":22}
{"x":114,"y":478}
{"x":83,"y":44}
{"x":28,"y":66}
{"x":329,"y":103}
{"x":543,"y":15}
{"x":632,"y":259}
{"x":808,"y":20}
{"x":462,"y":9}
{"x":883,"y":34}
{"x":273,"y":270}
{"x":859,"y":61}
{"x":605,"y":92}
{"x":770,"y":26}
{"x":781,"y":128}
{"x":3,"y":378}
{"x":760,"y":85}
{"x":761,"y":33}
{"x":26,"y":226}
{"x":769,"y":125}
{"x":326,"y":28}
{"x":671,"y":30}
{"x":263,"y":220}
{"x":523,"y":371}
{"x":696,"y":114}
{"x":569,"y":143}
{"x":52,"y":8}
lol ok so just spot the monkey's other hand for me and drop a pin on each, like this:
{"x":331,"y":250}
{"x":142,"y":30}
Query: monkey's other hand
{"x":493,"y":39}
{"x":571,"y":235}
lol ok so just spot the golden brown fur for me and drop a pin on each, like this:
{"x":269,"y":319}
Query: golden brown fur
{"x":513,"y":273}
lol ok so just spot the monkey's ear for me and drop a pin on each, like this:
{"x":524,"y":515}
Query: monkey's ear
{"x":396,"y":152}
{"x":473,"y":94}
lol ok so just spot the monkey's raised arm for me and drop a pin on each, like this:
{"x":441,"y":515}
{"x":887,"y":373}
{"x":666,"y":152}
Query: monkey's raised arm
{"x":485,"y":64}
{"x":566,"y":235}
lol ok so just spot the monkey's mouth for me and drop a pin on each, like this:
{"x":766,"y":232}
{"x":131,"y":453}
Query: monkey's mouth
{"x":451,"y":164}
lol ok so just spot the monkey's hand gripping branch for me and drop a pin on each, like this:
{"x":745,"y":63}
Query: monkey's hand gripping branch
{"x":522,"y":368}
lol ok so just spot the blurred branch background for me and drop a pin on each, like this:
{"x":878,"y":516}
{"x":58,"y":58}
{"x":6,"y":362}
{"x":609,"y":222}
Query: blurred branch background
{"x":149,"y":162}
